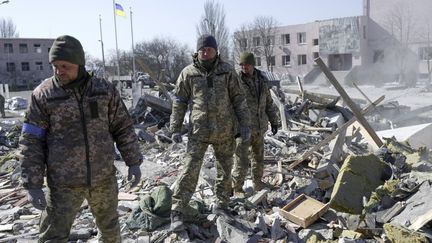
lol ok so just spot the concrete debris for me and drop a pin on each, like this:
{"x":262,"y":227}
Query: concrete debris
{"x":360,"y":193}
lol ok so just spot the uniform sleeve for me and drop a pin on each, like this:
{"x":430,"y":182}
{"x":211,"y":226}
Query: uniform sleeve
{"x":122,"y":130}
{"x":180,"y":104}
{"x":271,"y":109}
{"x":238,"y":100}
{"x":33,"y":145}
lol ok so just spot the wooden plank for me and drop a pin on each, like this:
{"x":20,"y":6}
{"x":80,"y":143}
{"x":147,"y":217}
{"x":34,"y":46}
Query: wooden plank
{"x":349,"y":101}
{"x":333,"y":135}
{"x":361,"y":92}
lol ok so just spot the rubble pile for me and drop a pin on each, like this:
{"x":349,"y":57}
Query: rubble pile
{"x":326,"y":183}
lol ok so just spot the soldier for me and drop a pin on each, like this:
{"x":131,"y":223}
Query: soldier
{"x":261,"y":107}
{"x":2,"y":104}
{"x":68,"y":134}
{"x":211,"y":87}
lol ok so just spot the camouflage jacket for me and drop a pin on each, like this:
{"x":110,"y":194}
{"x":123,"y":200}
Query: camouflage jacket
{"x":259,"y":101}
{"x":216,"y":100}
{"x":71,"y":136}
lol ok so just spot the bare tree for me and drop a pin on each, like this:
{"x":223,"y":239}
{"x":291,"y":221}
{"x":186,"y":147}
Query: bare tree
{"x":8,"y":29}
{"x":257,"y":37}
{"x":213,"y":22}
{"x":162,"y":55}
{"x":402,"y":26}
{"x":94,"y":64}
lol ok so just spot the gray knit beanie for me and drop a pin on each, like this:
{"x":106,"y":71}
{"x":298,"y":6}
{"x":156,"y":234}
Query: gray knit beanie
{"x":67,"y":48}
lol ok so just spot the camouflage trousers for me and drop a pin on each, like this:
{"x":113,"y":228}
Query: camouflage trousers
{"x":2,"y":108}
{"x":242,"y":161}
{"x":188,"y":179}
{"x":64,"y":203}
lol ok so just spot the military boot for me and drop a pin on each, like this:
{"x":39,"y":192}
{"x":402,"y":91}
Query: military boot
{"x":223,"y":213}
{"x":259,"y":185}
{"x":176,"y":221}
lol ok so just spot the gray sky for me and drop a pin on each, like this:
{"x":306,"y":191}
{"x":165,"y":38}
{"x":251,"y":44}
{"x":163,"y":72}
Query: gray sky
{"x":156,"y":18}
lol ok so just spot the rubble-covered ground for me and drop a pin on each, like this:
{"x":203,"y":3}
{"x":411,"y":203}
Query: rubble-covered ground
{"x":344,"y":190}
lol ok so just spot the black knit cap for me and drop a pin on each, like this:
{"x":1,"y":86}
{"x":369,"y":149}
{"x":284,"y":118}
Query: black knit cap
{"x":206,"y":41}
{"x":67,"y":48}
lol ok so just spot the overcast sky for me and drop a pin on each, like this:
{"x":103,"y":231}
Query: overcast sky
{"x":155,"y":18}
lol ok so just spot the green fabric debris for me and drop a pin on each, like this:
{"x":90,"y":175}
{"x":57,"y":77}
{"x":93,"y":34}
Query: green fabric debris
{"x":401,"y":235}
{"x":383,"y":191}
{"x":359,"y":176}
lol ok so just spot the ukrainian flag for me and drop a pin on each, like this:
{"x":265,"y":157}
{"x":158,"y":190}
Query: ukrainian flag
{"x":119,"y":10}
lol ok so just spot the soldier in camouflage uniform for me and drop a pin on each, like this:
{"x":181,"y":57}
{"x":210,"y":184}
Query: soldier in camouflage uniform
{"x":2,"y":104}
{"x":211,"y":88}
{"x":68,"y":134}
{"x":261,"y":107}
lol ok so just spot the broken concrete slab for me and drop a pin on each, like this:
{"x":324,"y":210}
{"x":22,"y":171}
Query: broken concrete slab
{"x":417,"y":136}
{"x":359,"y":176}
{"x":397,"y":233}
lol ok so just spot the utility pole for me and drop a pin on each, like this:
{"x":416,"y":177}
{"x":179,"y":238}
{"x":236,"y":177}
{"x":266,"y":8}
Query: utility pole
{"x":133,"y":48}
{"x":115,"y":30}
{"x":102,"y":46}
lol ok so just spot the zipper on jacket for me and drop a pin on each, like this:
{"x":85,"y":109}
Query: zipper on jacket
{"x":84,"y":126}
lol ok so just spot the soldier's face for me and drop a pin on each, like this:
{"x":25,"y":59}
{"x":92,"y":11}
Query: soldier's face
{"x":65,"y":71}
{"x":206,"y":53}
{"x":247,"y":69}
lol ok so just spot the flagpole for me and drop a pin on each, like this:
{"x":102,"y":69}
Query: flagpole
{"x":133,"y":48}
{"x":115,"y":30}
{"x":102,"y":46}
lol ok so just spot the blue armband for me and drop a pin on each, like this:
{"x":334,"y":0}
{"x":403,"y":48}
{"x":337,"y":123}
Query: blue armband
{"x":33,"y":130}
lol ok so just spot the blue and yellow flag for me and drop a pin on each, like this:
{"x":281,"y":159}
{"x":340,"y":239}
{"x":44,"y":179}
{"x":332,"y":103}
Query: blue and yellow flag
{"x":119,"y":10}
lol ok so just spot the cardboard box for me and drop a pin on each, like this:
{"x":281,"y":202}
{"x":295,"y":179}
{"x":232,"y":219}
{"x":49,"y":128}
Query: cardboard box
{"x":304,"y":210}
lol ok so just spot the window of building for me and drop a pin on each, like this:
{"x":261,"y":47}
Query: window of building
{"x":258,"y":61}
{"x":301,"y":59}
{"x":286,"y":60}
{"x":25,"y":66}
{"x":378,"y":56}
{"x":39,"y":65}
{"x":270,"y":40}
{"x":23,"y":48}
{"x":301,"y":37}
{"x":315,"y":54}
{"x":256,"y":41}
{"x":425,"y":53}
{"x":285,"y":39}
{"x":272,"y":61}
{"x":315,"y":42}
{"x":10,"y":67}
{"x":37,"y":48}
{"x":8,"y":48}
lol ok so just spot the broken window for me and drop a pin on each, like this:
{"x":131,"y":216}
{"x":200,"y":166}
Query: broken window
{"x":315,"y":42}
{"x":258,"y":61}
{"x":286,"y":60}
{"x":301,"y":38}
{"x":23,"y":48}
{"x":378,"y":56}
{"x":10,"y":67}
{"x":425,"y":53}
{"x":25,"y":66}
{"x":272,"y":61}
{"x":8,"y":48}
{"x":270,"y":40}
{"x":285,"y":39}
{"x":37,"y":48}
{"x":256,"y":41}
{"x":39,"y":66}
{"x":301,"y":59}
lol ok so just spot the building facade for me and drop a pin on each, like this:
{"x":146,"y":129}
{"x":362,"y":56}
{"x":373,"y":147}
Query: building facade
{"x":24,"y":62}
{"x":390,"y":42}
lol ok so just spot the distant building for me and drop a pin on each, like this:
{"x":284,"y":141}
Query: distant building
{"x":360,"y":48}
{"x":24,"y":61}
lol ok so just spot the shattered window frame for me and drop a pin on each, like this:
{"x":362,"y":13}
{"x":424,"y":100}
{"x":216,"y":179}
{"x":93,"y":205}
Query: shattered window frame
{"x":256,"y":41}
{"x":25,"y":66}
{"x":286,"y":60}
{"x":301,"y":38}
{"x":10,"y":67}
{"x":301,"y":59}
{"x":8,"y":48}
{"x":23,"y":48}
{"x":39,"y":66}
{"x":286,"y":39}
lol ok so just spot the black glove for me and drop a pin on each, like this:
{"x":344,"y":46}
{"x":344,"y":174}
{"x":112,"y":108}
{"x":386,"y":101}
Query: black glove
{"x":37,"y":198}
{"x":245,"y":133}
{"x":176,"y":137}
{"x":274,"y":128}
{"x":134,"y":171}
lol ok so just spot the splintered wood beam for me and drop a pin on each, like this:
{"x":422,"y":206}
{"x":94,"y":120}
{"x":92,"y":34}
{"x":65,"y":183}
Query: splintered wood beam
{"x":334,"y":134}
{"x":349,"y":102}
{"x":281,"y":108}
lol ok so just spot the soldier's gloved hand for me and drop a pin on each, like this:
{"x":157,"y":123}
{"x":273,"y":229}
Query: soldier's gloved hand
{"x":274,"y":128}
{"x":37,"y":198}
{"x":245,"y":133}
{"x":176,"y":137}
{"x":134,"y":171}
